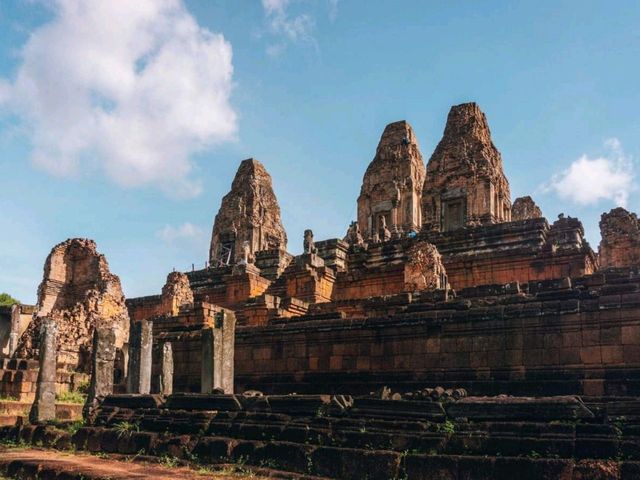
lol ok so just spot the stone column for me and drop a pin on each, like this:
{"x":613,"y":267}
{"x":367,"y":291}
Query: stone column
{"x":218,"y":345}
{"x":207,"y":367}
{"x":166,"y":378}
{"x":228,"y":340}
{"x":14,"y":335}
{"x":103,"y":359}
{"x":44,"y":406}
{"x":140,"y":346}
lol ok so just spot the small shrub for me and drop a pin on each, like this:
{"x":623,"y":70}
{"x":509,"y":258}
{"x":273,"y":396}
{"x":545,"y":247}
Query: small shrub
{"x":446,"y":427}
{"x":169,"y":461}
{"x":126,"y":428}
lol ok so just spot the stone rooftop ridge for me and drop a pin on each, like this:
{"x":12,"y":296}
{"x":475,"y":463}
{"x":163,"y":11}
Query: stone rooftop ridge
{"x":397,"y":134}
{"x":467,"y":140}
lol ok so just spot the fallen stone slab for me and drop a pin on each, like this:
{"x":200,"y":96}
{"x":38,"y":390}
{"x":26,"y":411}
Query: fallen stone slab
{"x":203,"y":401}
{"x":133,"y":401}
{"x":519,"y":408}
{"x":398,"y":408}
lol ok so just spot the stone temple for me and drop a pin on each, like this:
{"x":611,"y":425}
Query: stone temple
{"x":452,"y":333}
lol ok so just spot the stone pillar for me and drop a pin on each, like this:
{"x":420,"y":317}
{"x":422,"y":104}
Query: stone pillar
{"x":218,"y":346}
{"x":206,"y":371}
{"x":44,"y":406}
{"x":227,"y":360}
{"x":140,"y":346}
{"x":14,"y":335}
{"x":166,"y":378}
{"x":103,"y":359}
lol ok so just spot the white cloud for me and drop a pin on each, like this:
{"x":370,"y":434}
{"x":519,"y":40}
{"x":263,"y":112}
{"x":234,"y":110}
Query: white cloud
{"x":187,"y":231}
{"x":333,"y":9}
{"x":287,"y":28}
{"x":589,"y":180}
{"x":4,"y":91}
{"x":135,"y":87}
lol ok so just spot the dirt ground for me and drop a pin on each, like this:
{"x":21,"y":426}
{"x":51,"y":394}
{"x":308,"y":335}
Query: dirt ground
{"x":97,"y":467}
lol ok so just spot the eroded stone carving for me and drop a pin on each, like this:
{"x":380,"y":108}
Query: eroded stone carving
{"x":308,"y":244}
{"x":175,"y":293}
{"x":392,"y":185}
{"x":353,"y":236}
{"x":465,"y":185}
{"x":248,"y":213}
{"x":424,"y":269}
{"x":524,"y":208}
{"x":79,"y":293}
{"x":620,"y":244}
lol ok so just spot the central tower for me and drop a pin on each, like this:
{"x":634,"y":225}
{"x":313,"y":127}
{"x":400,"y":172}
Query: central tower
{"x":392,"y":185}
{"x":465,"y":184}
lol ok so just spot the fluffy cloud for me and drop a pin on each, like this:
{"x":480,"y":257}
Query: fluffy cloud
{"x":589,"y":180}
{"x":186,"y":231}
{"x":134,"y":87}
{"x":286,"y":27}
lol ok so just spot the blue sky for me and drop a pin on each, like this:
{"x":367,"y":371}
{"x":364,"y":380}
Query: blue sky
{"x":125,"y":123}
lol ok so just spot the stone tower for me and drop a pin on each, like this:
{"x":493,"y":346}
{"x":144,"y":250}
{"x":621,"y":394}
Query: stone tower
{"x":465,"y":184}
{"x":79,"y":294}
{"x":248,"y":213}
{"x":392,"y":184}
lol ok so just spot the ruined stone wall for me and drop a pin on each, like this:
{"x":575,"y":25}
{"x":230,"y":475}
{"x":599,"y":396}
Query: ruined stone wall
{"x":184,"y":332}
{"x":558,"y":339}
{"x":620,"y":244}
{"x":19,"y":379}
{"x":465,"y":184}
{"x":79,"y":292}
{"x":392,"y":184}
{"x":175,"y":293}
{"x":523,"y":251}
{"x":248,"y":213}
{"x":524,"y":208}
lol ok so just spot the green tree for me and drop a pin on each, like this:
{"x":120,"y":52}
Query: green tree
{"x":7,"y":300}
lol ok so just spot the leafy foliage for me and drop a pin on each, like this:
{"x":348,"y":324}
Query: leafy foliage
{"x":7,"y":300}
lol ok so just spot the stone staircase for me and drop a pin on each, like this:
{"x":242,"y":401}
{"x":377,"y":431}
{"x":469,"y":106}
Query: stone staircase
{"x":334,"y":436}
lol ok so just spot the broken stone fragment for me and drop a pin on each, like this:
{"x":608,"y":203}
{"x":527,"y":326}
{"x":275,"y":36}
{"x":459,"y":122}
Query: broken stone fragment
{"x":524,"y":208}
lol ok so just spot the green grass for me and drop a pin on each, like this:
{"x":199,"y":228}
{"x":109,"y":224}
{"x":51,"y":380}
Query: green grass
{"x":8,"y":398}
{"x":71,"y":397}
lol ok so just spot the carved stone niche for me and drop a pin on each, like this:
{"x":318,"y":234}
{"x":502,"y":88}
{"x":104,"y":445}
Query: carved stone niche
{"x":424,"y":269}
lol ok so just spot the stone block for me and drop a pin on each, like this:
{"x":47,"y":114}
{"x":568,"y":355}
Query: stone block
{"x":351,"y":464}
{"x":591,"y":355}
{"x":612,"y":354}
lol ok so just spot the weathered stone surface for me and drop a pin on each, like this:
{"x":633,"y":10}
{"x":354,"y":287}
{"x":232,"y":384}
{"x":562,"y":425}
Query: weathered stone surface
{"x":524,"y":208}
{"x":424,"y":269}
{"x":140,"y":357}
{"x":79,"y":293}
{"x":392,"y":185}
{"x":465,"y":184}
{"x":218,"y":353}
{"x":249,"y":213}
{"x":620,"y":244}
{"x":44,"y":406}
{"x":166,"y":379}
{"x":175,"y":293}
{"x":103,"y":358}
